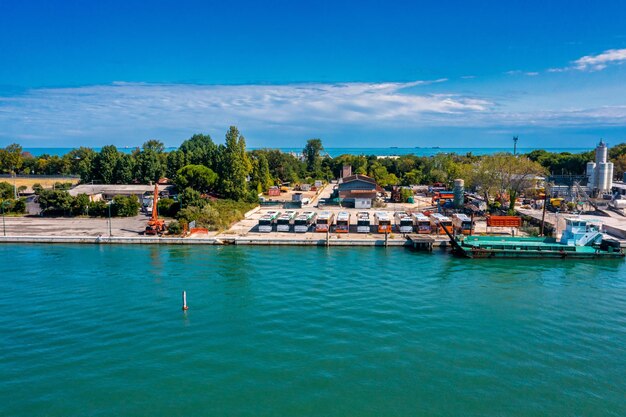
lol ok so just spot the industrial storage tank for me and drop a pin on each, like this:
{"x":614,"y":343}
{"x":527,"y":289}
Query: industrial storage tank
{"x":459,"y":192}
{"x":604,"y":176}
{"x":591,"y":168}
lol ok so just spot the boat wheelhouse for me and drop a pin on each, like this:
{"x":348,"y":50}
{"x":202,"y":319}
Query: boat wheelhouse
{"x":463,"y":225}
{"x":404,"y":222}
{"x":284,"y":221}
{"x":342,"y":224}
{"x":324,"y":221}
{"x":422,"y":223}
{"x":439,"y":222}
{"x":303,"y":221}
{"x":363,"y":222}
{"x":267,"y":221}
{"x":382,"y":222}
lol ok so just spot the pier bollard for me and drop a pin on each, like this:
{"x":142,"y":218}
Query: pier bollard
{"x":185,"y":308}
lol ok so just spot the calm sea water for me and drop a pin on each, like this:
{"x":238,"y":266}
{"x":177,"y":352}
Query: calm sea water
{"x":98,"y":331}
{"x":354,"y":151}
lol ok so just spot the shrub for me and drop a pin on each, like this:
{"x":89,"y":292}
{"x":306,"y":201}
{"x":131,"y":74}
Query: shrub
{"x":216,"y":215}
{"x":175,"y":228}
{"x":124,"y":206}
{"x":168,"y":207}
{"x":6,"y":190}
{"x":98,"y":208}
{"x":405,"y":194}
{"x":14,"y":206}
{"x":62,"y":185}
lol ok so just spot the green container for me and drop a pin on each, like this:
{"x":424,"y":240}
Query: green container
{"x":410,"y":200}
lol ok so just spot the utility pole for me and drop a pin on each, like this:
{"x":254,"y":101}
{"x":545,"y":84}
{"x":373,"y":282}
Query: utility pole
{"x":4,"y":226}
{"x":515,"y":139}
{"x":110,"y":234}
{"x":543,"y":213}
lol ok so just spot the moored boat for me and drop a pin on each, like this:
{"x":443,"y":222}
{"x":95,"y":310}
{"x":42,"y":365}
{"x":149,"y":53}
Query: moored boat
{"x":580,"y":240}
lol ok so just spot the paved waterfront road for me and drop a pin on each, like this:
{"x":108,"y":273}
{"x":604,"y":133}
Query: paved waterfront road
{"x":98,"y":330}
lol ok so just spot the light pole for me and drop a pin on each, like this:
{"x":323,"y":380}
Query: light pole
{"x":4,"y":226}
{"x":110,"y":234}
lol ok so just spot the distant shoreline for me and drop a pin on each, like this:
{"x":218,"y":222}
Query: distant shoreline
{"x":336,"y":151}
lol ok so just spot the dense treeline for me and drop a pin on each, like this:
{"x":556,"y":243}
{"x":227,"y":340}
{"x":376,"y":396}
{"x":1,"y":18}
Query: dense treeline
{"x":225,"y":168}
{"x":201,"y":168}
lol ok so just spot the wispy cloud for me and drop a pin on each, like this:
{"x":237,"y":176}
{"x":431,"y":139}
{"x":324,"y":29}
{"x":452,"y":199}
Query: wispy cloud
{"x":520,"y":72}
{"x":600,"y":61}
{"x":595,"y":62}
{"x":129,"y":113}
{"x":94,"y":111}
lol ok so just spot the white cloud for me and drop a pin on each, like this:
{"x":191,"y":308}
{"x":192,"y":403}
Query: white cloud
{"x":595,"y":62}
{"x":129,"y":113}
{"x":125,"y":108}
{"x":600,"y":61}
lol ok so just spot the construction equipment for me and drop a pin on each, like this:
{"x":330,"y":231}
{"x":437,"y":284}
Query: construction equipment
{"x":585,"y":197}
{"x":155,"y":225}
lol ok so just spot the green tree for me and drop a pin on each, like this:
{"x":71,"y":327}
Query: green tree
{"x":505,"y":173}
{"x":175,"y":161}
{"x":125,"y":206}
{"x":190,"y":197}
{"x":311,"y":153}
{"x":79,"y":205}
{"x":235,"y":166}
{"x":105,"y":165}
{"x":154,"y":145}
{"x":261,"y":177}
{"x":412,"y":177}
{"x":198,"y":177}
{"x":168,"y":207}
{"x":81,"y":162}
{"x":125,"y":169}
{"x":11,"y":158}
{"x":200,"y":150}
{"x":6,"y":190}
{"x":55,"y":202}
{"x":149,"y":164}
{"x":382,"y":176}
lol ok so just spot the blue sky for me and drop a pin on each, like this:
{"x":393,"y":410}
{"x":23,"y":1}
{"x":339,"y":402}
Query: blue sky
{"x":367,"y":73}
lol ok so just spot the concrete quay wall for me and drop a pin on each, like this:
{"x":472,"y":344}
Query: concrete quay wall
{"x":108,"y":240}
{"x":256,"y":241}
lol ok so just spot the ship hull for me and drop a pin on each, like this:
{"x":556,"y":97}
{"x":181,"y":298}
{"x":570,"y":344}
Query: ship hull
{"x":478,"y":253}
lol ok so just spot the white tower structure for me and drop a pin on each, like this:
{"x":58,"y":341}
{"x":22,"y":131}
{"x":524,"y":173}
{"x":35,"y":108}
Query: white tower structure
{"x":600,"y":173}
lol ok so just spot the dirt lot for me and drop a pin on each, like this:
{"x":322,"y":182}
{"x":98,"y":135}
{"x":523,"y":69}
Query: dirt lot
{"x":42,"y":226}
{"x":47,"y":182}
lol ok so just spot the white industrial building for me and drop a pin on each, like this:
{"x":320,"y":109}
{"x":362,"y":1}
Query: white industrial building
{"x":600,"y":173}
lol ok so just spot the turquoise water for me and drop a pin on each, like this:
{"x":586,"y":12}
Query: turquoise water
{"x":98,"y":331}
{"x":333,"y":152}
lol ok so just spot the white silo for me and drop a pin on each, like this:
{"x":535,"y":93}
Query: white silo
{"x":591,"y":168}
{"x":604,"y":172}
{"x":600,"y":173}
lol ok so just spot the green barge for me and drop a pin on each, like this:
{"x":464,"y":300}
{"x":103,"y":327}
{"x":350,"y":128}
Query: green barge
{"x":580,"y":240}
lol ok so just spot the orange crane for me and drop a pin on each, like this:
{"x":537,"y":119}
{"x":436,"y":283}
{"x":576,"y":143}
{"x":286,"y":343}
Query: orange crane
{"x":155,"y":225}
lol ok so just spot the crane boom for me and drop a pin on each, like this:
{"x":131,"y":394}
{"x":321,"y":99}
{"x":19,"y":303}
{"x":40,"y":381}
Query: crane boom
{"x":155,"y":214}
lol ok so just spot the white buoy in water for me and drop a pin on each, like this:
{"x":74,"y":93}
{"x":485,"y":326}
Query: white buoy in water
{"x":185,"y":301}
